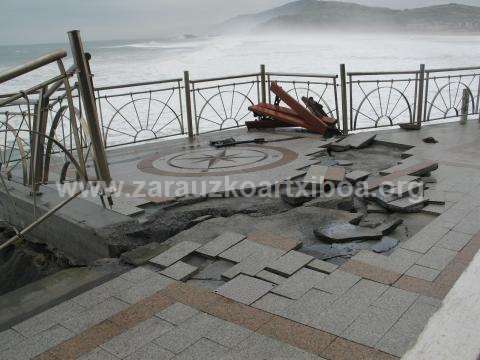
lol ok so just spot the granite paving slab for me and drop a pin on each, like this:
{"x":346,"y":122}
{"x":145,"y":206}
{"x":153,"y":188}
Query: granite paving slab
{"x":273,"y":304}
{"x":175,"y":253}
{"x":454,"y":241}
{"x":177,"y":313}
{"x":437,"y":258}
{"x":289,"y":263}
{"x":344,"y":232}
{"x":179,"y":271}
{"x":319,"y":174}
{"x":271,"y":277}
{"x":245,"y":289}
{"x":357,"y":175}
{"x":151,"y":351}
{"x":240,"y":251}
{"x":203,"y":349}
{"x":338,"y":282}
{"x":273,"y":240}
{"x":322,"y":266}
{"x":220,"y":244}
{"x":422,"y":272}
{"x":358,"y":141}
{"x":299,"y":283}
{"x":309,"y":307}
{"x":228,"y":334}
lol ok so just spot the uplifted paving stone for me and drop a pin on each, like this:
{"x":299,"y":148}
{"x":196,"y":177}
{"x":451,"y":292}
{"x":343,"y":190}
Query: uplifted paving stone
{"x":299,"y":283}
{"x":322,"y":266}
{"x":387,"y":243}
{"x":255,"y":263}
{"x":358,"y":141}
{"x":434,"y":209}
{"x":357,"y":175}
{"x":220,"y":244}
{"x":271,"y":277}
{"x":175,"y":253}
{"x":318,"y":174}
{"x":240,"y":251}
{"x":406,"y":205}
{"x":390,"y":226}
{"x":289,"y":263}
{"x":245,"y":289}
{"x":180,"y":271}
{"x":142,"y":254}
{"x":273,"y":240}
{"x":345,"y":232}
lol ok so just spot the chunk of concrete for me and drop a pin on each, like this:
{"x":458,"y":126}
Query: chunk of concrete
{"x":345,"y":232}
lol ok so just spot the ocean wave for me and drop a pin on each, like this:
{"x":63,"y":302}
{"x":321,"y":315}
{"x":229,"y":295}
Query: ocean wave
{"x":159,"y":45}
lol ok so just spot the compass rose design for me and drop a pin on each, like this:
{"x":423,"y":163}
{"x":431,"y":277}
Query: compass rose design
{"x":217,"y":159}
{"x":214,"y":162}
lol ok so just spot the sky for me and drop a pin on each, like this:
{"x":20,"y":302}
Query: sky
{"x":47,"y":21}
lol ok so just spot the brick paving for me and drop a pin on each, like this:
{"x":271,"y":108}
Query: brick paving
{"x":372,"y":307}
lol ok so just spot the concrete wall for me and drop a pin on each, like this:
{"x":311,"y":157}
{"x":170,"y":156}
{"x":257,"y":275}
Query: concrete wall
{"x":74,"y":230}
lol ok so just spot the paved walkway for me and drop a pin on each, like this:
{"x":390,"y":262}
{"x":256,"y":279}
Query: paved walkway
{"x":373,"y":307}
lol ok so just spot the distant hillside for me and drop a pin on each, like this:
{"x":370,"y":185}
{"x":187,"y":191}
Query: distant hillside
{"x":335,"y":15}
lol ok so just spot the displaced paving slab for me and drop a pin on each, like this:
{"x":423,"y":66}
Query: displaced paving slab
{"x":345,"y":232}
{"x":273,"y":240}
{"x":245,"y":289}
{"x":220,"y":244}
{"x":142,"y":254}
{"x":357,"y":176}
{"x":358,"y":141}
{"x":319,"y":174}
{"x":180,"y":271}
{"x":289,"y":263}
{"x":175,"y":253}
{"x":322,"y":266}
{"x":406,"y":205}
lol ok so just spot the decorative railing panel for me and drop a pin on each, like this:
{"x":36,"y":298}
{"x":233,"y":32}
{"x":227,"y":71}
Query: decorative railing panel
{"x":139,"y":112}
{"x":382,"y":99}
{"x":222,"y":103}
{"x":444,"y":90}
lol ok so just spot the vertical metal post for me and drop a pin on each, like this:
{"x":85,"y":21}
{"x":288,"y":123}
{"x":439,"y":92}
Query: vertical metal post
{"x":465,"y":101}
{"x":88,"y":98}
{"x":263,"y":79}
{"x":343,"y":79}
{"x":420,"y":94}
{"x":188,"y":104}
{"x":37,"y":141}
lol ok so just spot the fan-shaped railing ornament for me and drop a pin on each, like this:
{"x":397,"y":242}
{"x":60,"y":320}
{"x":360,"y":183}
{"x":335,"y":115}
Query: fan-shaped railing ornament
{"x":447,"y":101}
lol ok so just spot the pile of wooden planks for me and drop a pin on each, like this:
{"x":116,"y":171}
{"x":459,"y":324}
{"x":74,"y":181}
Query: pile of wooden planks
{"x":312,"y":117}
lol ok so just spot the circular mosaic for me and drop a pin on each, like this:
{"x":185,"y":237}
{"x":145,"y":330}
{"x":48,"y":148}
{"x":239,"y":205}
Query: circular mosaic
{"x":217,"y":162}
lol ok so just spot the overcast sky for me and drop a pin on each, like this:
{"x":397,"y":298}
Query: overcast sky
{"x":46,"y":21}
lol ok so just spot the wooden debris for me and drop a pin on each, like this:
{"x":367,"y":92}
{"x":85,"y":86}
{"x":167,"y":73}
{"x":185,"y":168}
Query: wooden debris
{"x":410,"y":126}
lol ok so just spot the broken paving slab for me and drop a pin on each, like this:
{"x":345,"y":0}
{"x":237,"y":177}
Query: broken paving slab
{"x":386,"y":244}
{"x":389,"y":226}
{"x":275,"y":241}
{"x":271,"y":277}
{"x":180,"y":271}
{"x":245,"y":289}
{"x":220,"y":244}
{"x":319,"y":174}
{"x":175,"y":253}
{"x":357,"y":141}
{"x":345,"y":232}
{"x":142,"y":254}
{"x":405,"y":205}
{"x":289,"y":263}
{"x":403,"y":165}
{"x":253,"y":264}
{"x":434,"y":209}
{"x":357,"y":176}
{"x":322,"y":266}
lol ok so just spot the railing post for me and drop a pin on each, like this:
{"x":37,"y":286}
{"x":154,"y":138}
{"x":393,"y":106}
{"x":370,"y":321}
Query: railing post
{"x":343,"y":84}
{"x":89,"y":105}
{"x":420,"y":94}
{"x":465,"y":101}
{"x":263,"y":79}
{"x":188,"y":104}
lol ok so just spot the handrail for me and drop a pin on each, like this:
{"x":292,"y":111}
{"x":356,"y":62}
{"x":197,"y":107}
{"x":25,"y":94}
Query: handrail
{"x":302,"y":75}
{"x":121,"y":86}
{"x":452,"y":69}
{"x":224,"y":78}
{"x":32,"y":65}
{"x":383,"y":73}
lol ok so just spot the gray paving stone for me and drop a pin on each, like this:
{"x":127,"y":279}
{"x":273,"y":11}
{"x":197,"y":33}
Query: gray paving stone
{"x":177,"y":313}
{"x":136,"y":338}
{"x":175,"y":253}
{"x":103,"y":292}
{"x":273,"y":304}
{"x":338,"y":282}
{"x":271,"y":277}
{"x":437,"y":258}
{"x":371,"y":326}
{"x":254,"y":263}
{"x":144,"y":289}
{"x":151,"y":351}
{"x":310,"y":307}
{"x":425,"y":239}
{"x":179,"y":271}
{"x":220,"y":244}
{"x":229,"y":334}
{"x":262,"y":347}
{"x":37,"y":344}
{"x":289,"y":263}
{"x":203,"y":349}
{"x":403,"y":335}
{"x":241,"y":251}
{"x":396,"y":300}
{"x":213,"y":271}
{"x":245,"y":289}
{"x":299,"y":283}
{"x":357,"y":175}
{"x":454,"y":240}
{"x":422,"y":272}
{"x":188,"y":333}
{"x":140,"y":273}
{"x":9,"y":338}
{"x":94,"y":315}
{"x":47,"y":319}
{"x":469,"y":225}
{"x":98,"y":354}
{"x":322,"y":266}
